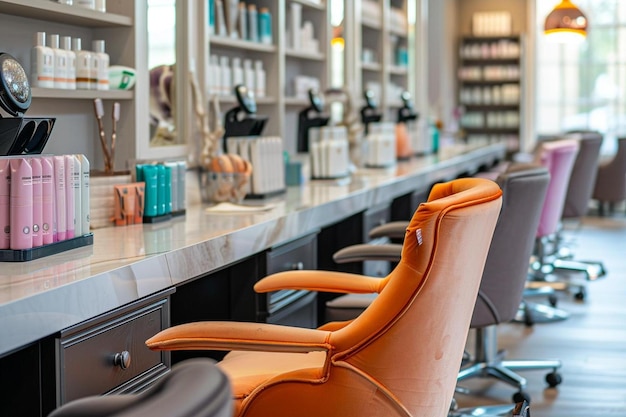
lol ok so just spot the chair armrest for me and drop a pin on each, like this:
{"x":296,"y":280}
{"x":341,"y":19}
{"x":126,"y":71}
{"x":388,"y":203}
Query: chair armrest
{"x":226,"y":335}
{"x":327,"y":281}
{"x":357,"y":253}
{"x":392,"y":230}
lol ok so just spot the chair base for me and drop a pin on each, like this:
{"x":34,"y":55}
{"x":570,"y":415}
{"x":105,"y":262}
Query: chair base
{"x":489,"y":363}
{"x":483,"y":411}
{"x":531,"y":313}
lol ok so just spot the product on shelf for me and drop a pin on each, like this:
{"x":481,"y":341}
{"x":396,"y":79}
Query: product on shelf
{"x":42,"y":63}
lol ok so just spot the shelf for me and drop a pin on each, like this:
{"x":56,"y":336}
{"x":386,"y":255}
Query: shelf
{"x":489,"y":107}
{"x":311,"y":4}
{"x":61,"y":13}
{"x":398,"y":31}
{"x":296,"y":101}
{"x":371,"y":23}
{"x":491,"y":82}
{"x":490,"y":61}
{"x":313,"y":56}
{"x":398,"y":70}
{"x":238,"y":43}
{"x":56,"y":93}
{"x":491,"y":130}
{"x":259,"y":100}
{"x":371,"y":66}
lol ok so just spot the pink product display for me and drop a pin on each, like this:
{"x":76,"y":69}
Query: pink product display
{"x":40,"y":205}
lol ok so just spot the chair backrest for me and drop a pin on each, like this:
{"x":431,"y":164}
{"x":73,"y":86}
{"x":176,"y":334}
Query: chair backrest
{"x":193,"y":388}
{"x":506,"y":269}
{"x":611,"y":179}
{"x":401,"y":356}
{"x":583,"y":176}
{"x":558,"y":157}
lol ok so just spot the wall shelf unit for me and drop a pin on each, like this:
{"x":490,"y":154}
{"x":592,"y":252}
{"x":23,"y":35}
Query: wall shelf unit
{"x":380,"y":43}
{"x":490,"y":86}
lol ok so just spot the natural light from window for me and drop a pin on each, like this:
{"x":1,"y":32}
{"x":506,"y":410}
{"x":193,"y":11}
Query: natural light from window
{"x":583,"y":85}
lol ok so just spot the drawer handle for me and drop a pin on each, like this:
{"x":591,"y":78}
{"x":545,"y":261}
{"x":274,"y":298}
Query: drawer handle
{"x":122,"y":359}
{"x":298,"y":266}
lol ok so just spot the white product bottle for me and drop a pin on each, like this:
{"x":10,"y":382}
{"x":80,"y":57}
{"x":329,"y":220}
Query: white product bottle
{"x":84,"y":63}
{"x":102,"y":64}
{"x":237,"y":72}
{"x":88,"y":4}
{"x":226,"y":81}
{"x":215,"y":77}
{"x":41,"y":63}
{"x":248,"y":74}
{"x":60,"y":62}
{"x":66,"y":44}
{"x":259,"y":78}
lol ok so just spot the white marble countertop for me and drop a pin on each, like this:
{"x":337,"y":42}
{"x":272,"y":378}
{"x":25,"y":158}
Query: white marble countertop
{"x":43,"y":296}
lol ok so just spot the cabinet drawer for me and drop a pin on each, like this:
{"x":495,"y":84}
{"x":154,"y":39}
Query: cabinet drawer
{"x":280,"y":306}
{"x":298,"y":254}
{"x":110,"y":355}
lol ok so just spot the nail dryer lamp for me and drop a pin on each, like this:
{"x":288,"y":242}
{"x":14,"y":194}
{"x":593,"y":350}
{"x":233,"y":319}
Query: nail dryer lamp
{"x":405,"y":128}
{"x":369,"y":112}
{"x":243,"y":120}
{"x":310,"y":117}
{"x":18,"y":134}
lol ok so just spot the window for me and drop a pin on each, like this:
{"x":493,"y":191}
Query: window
{"x":583,"y":86}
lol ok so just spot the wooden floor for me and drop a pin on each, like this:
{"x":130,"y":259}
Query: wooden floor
{"x":591,"y":343}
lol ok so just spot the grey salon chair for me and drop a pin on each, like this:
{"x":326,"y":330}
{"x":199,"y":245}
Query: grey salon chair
{"x":610,"y":185}
{"x":504,"y":278}
{"x":193,"y":388}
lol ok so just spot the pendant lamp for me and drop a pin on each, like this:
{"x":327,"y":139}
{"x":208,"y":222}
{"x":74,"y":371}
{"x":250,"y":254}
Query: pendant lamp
{"x":566,"y":22}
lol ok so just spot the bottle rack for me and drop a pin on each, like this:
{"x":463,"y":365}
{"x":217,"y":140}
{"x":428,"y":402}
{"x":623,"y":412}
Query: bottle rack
{"x":490,"y":89}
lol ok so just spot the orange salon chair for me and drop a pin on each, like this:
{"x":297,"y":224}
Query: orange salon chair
{"x":400,"y":357}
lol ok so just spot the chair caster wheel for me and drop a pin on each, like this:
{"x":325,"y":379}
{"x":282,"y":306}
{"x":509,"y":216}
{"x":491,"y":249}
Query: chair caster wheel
{"x":521,"y":396}
{"x":553,"y":300}
{"x":580,"y":295}
{"x":553,"y":379}
{"x":529,"y":320}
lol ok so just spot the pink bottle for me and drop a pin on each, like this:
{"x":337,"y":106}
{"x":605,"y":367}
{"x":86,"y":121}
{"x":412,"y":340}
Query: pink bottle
{"x":5,"y":193}
{"x":47,"y":200}
{"x":37,"y":202}
{"x":21,"y":204}
{"x":60,"y":198}
{"x":70,"y":210}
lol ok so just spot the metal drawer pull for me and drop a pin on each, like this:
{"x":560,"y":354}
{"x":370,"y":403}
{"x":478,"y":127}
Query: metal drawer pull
{"x":298,"y":266}
{"x":122,"y":359}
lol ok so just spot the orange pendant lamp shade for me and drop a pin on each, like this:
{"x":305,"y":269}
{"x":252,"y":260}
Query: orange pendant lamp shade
{"x":565,"y":20}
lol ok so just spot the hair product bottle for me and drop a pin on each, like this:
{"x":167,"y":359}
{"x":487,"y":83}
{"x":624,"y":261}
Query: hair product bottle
{"x":41,"y":63}
{"x":102,"y":65}
{"x":84,"y":62}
